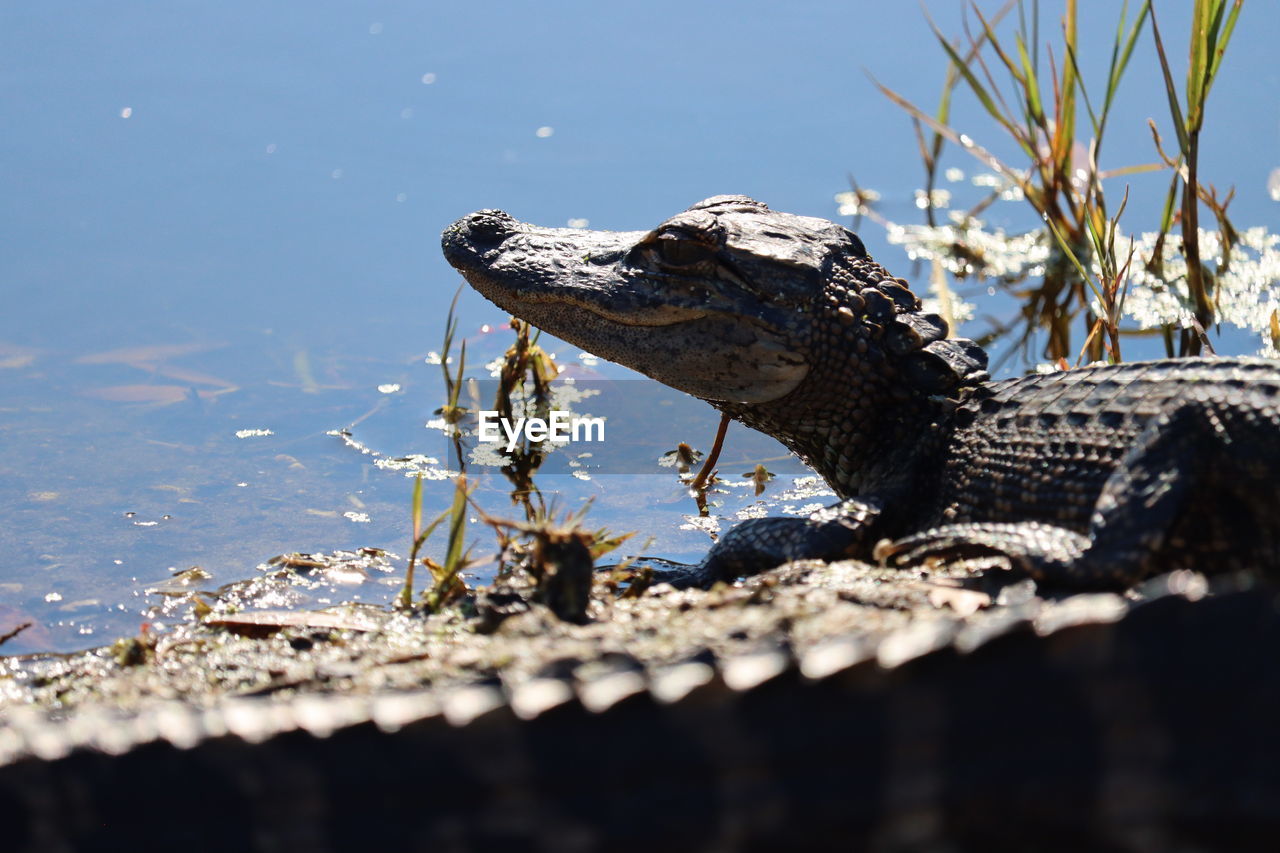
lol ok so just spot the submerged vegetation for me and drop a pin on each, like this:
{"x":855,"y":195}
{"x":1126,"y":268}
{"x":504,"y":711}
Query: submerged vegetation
{"x":1098,"y":284}
{"x":447,"y":583}
{"x":556,"y":554}
{"x":1082,"y":270}
{"x":1084,"y":284}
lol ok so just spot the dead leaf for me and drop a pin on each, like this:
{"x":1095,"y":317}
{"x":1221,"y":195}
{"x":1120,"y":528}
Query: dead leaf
{"x":257,"y":622}
{"x":183,"y":375}
{"x":145,"y":355}
{"x":9,"y":635}
{"x":163,"y":394}
{"x":297,"y":561}
{"x":36,"y":634}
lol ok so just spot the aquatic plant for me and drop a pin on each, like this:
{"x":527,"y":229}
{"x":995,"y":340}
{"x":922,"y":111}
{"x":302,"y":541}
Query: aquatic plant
{"x":524,"y":382}
{"x":558,"y":554}
{"x":1087,"y":269}
{"x":447,"y":583}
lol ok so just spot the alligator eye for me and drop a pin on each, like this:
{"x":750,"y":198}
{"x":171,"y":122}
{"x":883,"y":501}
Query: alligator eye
{"x":683,"y":253}
{"x":859,"y":250}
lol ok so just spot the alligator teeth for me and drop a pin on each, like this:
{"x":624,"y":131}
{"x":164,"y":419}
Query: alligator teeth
{"x":50,"y":742}
{"x":395,"y":711}
{"x":1084,"y":609}
{"x":13,"y":745}
{"x":979,"y":633}
{"x":914,"y":641}
{"x":608,"y":690}
{"x":255,"y":721}
{"x":323,"y":715}
{"x":835,"y":656}
{"x":602,"y":683}
{"x":110,"y":733}
{"x":538,"y":695}
{"x":177,"y":724}
{"x":463,"y":705}
{"x":672,"y":683}
{"x":744,"y":672}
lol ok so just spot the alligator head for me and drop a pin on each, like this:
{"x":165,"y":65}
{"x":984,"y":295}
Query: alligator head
{"x":704,"y":303}
{"x":782,"y":321}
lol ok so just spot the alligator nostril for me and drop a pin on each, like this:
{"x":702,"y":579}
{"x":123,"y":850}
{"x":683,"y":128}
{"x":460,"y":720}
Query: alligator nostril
{"x":488,"y":226}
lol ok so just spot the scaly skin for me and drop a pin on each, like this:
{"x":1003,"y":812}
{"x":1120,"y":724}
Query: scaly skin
{"x":1153,"y":731}
{"x":1097,"y":477}
{"x":1085,"y":722}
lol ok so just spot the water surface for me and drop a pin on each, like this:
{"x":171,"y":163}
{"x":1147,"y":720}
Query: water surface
{"x":224,"y":217}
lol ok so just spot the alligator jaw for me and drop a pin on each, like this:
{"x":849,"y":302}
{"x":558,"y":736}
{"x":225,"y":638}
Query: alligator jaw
{"x":517,"y":265}
{"x":783,"y":322}
{"x":583,"y":287}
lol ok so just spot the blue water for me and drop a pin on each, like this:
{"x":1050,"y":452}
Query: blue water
{"x":221,"y":217}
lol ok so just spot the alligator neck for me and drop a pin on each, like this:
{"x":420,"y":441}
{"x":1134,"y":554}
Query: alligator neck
{"x":860,"y":437}
{"x":782,"y":321}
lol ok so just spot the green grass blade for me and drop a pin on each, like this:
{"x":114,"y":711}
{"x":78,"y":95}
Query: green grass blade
{"x":1034,"y":39}
{"x":1120,"y":56}
{"x":455,"y":558}
{"x":1016,"y":69}
{"x":1210,"y":46}
{"x":1224,"y":37}
{"x":1064,"y":131}
{"x":986,"y":157}
{"x":455,"y":386}
{"x":1094,"y":120}
{"x":1136,"y":169}
{"x":944,"y":102}
{"x":1026,"y":88}
{"x":980,"y":91}
{"x":1171,"y":91}
{"x":1170,"y":205}
{"x":932,"y":152}
{"x":419,"y":539}
{"x":416,"y":504}
{"x":1198,"y":58}
{"x":457,"y":518}
{"x":1031,"y":84}
{"x":1097,"y":240}
{"x":405,"y":599}
{"x":1071,"y":256}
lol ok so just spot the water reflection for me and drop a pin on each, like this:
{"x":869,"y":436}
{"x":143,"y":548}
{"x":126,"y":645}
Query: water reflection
{"x":220,"y":222}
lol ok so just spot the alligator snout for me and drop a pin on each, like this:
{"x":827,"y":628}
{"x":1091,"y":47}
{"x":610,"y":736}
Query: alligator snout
{"x":477,"y":232}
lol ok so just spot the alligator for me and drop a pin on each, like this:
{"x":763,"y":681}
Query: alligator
{"x":1096,"y":477}
{"x":828,"y":700}
{"x":829,"y":706}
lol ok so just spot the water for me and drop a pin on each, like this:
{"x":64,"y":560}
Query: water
{"x":225,"y":217}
